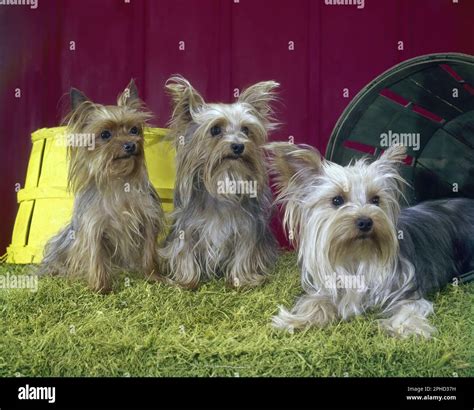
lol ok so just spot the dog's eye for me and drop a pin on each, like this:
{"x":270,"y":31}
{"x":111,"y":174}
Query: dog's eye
{"x":245,"y":130}
{"x":375,"y":200}
{"x":338,"y":201}
{"x":105,"y":135}
{"x":134,"y":131}
{"x":215,"y":130}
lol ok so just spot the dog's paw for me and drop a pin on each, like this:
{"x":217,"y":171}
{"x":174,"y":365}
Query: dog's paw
{"x":286,"y":321}
{"x":411,"y":318}
{"x":308,"y":311}
{"x":245,"y":281}
{"x":414,"y":325}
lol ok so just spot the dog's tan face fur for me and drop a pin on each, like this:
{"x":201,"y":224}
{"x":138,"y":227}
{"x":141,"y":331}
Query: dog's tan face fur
{"x":118,"y":139}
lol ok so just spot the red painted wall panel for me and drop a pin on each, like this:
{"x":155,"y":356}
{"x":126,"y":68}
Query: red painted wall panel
{"x":228,"y":44}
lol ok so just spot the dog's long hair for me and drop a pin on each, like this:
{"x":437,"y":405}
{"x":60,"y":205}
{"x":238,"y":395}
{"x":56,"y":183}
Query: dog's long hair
{"x":217,"y":232}
{"x":346,"y":222}
{"x":117,"y":213}
{"x":327,"y":236}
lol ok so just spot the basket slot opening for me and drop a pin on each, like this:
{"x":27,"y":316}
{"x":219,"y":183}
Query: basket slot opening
{"x":451,"y":72}
{"x":428,"y":114}
{"x":469,"y":88}
{"x":30,"y":221}
{"x":359,"y":146}
{"x":389,"y":94}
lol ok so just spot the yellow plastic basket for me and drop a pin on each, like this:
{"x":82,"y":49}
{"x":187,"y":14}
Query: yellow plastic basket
{"x":45,"y":203}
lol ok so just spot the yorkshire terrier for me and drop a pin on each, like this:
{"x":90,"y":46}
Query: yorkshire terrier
{"x":357,"y":248}
{"x":117,"y":213}
{"x":222,"y":199}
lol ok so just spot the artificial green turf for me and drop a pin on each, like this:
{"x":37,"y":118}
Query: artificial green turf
{"x":145,"y":329}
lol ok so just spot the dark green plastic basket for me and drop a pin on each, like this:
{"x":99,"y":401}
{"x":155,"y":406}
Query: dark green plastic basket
{"x":417,"y":97}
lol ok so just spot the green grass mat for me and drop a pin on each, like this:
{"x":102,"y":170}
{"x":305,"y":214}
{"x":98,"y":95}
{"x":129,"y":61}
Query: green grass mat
{"x":145,"y":329}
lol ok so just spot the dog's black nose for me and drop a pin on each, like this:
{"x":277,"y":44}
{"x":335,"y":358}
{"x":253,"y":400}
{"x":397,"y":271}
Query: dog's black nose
{"x":364,"y":224}
{"x":237,"y":149}
{"x":129,"y":147}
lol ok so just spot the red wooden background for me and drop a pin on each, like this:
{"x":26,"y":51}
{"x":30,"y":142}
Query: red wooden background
{"x":228,"y":44}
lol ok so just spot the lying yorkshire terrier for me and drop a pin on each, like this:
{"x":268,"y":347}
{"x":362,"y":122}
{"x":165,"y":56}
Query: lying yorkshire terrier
{"x":348,"y":225}
{"x":117,"y":213}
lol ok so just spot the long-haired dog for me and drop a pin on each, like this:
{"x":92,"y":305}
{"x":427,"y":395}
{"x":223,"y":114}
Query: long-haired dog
{"x":357,"y":250}
{"x":117,"y":213}
{"x":222,"y":199}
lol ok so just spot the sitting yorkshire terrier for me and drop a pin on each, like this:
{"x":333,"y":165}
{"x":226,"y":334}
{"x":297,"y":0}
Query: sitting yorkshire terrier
{"x":117,"y":213}
{"x":350,"y":231}
{"x":222,"y":199}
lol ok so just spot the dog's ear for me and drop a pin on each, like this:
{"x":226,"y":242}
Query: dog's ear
{"x":260,"y":96}
{"x":77,"y":98}
{"x":185,"y":99}
{"x":129,"y":97}
{"x":81,"y":107}
{"x":293,"y":163}
{"x":294,"y":168}
{"x":390,"y":161}
{"x":388,"y":167}
{"x":395,"y":154}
